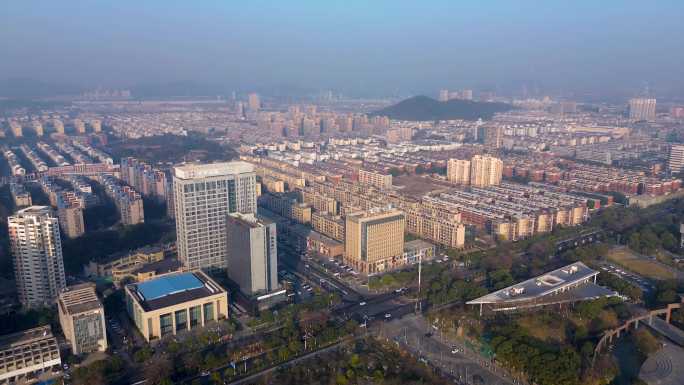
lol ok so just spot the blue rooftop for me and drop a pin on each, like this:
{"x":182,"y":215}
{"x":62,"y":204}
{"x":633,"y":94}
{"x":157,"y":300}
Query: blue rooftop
{"x":167,"y":285}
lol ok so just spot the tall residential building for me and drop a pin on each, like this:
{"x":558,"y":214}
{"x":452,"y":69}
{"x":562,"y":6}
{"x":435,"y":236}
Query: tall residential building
{"x":82,"y":318}
{"x":37,"y":127}
{"x":79,"y":126}
{"x":204,"y":195}
{"x":16,"y":129}
{"x":677,"y":112}
{"x":676,"y":162}
{"x":144,"y":178}
{"x":37,"y":251}
{"x":485,"y":171}
{"x":374,"y":240}
{"x":254,"y":102}
{"x":253,"y":253}
{"x":96,"y":125}
{"x":58,"y":126}
{"x":458,"y":171}
{"x":443,"y":95}
{"x":642,"y":109}
{"x":493,"y":136}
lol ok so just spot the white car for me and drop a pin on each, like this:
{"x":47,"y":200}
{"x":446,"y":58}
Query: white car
{"x":362,"y":304}
{"x":388,"y":315}
{"x":455,"y":350}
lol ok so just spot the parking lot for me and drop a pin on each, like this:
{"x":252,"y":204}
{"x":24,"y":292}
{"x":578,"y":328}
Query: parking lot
{"x":644,"y":284}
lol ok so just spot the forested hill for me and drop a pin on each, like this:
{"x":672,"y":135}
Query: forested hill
{"x":421,"y":107}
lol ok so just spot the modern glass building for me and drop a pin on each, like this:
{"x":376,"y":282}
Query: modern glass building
{"x":203,"y":196}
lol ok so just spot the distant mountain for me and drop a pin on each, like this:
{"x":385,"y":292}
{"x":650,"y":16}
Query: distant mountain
{"x":425,"y":108}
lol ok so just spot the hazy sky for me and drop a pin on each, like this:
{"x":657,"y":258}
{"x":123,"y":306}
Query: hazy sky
{"x":410,"y":46}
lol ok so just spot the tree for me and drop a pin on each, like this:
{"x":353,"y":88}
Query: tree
{"x":668,"y":241}
{"x":143,"y":354}
{"x":158,"y":369}
{"x":634,"y":242}
{"x":645,"y":342}
{"x":499,"y":279}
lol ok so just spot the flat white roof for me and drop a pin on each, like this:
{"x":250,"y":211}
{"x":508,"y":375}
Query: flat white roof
{"x":539,"y":286}
{"x":190,"y":171}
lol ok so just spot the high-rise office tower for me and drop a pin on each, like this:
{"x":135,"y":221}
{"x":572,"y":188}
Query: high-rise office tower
{"x":458,"y":171}
{"x":493,"y":136}
{"x":37,"y":251}
{"x":254,"y":102}
{"x":204,"y":195}
{"x":374,"y":239}
{"x":676,"y":161}
{"x":252,"y":253}
{"x":642,"y":109}
{"x":485,"y":171}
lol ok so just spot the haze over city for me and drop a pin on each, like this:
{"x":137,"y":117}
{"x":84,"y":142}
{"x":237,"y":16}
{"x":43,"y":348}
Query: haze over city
{"x":341,"y":192}
{"x":378,"y":48}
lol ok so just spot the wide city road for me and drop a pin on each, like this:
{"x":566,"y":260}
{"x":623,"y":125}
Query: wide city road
{"x":413,"y":334}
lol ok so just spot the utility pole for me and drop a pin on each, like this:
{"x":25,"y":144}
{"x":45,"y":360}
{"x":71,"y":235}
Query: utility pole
{"x":420,"y":271}
{"x":420,"y":268}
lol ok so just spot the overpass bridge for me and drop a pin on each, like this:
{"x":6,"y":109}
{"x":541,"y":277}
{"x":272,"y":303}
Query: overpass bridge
{"x":652,"y":320}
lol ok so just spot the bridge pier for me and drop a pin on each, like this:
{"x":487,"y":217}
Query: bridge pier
{"x":668,"y":315}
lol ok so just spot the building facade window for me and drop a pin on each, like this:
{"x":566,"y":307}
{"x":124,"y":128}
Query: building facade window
{"x":181,"y":320}
{"x":208,"y":312}
{"x":195,"y":316}
{"x":166,"y":324}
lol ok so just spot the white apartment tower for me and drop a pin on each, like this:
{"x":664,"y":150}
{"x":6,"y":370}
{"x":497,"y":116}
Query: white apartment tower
{"x":485,"y":171}
{"x":203,"y":196}
{"x":253,"y":253}
{"x":37,"y":252}
{"x":642,"y":109}
{"x":458,"y":171}
{"x":676,"y":161}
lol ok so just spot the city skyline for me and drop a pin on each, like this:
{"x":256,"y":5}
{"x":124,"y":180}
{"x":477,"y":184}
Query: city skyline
{"x":359,"y":192}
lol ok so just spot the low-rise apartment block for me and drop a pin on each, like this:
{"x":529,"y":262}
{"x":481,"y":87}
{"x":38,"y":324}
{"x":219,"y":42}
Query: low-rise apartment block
{"x":26,"y":354}
{"x":329,"y":225}
{"x":375,"y":178}
{"x":286,"y":205}
{"x":20,"y":196}
{"x":127,"y":200}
